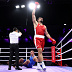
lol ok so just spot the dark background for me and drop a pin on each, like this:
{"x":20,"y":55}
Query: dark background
{"x":56,"y":13}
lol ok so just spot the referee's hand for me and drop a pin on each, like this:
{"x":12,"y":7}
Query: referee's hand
{"x":20,"y":33}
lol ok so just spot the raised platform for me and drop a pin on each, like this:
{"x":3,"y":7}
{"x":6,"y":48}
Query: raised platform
{"x":4,"y":68}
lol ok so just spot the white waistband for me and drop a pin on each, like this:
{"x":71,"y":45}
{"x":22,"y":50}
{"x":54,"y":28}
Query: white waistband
{"x":39,"y":36}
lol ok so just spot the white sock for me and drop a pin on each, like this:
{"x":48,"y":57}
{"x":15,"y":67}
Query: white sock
{"x":43,"y":63}
{"x":38,"y":64}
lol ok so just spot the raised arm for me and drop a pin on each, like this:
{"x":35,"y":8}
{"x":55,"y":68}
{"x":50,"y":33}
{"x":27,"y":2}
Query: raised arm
{"x":33,"y":17}
{"x":48,"y":36}
{"x":33,"y":14}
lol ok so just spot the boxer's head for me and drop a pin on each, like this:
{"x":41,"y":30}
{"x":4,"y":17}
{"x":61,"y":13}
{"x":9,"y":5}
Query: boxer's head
{"x":15,"y":29}
{"x":40,"y":19}
{"x":32,"y":52}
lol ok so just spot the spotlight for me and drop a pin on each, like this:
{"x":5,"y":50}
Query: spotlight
{"x":30,"y":37}
{"x":25,"y":30}
{"x":26,"y":39}
{"x":69,"y":29}
{"x":6,"y":40}
{"x":32,"y":6}
{"x":17,"y":6}
{"x":8,"y":28}
{"x":64,"y":24}
{"x":19,"y":39}
{"x":49,"y":40}
{"x":22,"y":6}
{"x":38,"y":6}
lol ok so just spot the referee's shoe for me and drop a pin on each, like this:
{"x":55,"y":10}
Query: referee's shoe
{"x":15,"y":68}
{"x":18,"y":68}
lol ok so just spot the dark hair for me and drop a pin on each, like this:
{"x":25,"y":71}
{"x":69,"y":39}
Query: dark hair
{"x":14,"y":29}
{"x":39,"y":18}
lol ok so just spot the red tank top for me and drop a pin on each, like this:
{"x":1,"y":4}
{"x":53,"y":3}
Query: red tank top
{"x":40,"y":30}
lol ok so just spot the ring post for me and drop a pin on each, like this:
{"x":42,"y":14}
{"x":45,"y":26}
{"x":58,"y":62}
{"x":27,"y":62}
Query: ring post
{"x":26,"y":53}
{"x":53,"y":53}
{"x":61,"y":54}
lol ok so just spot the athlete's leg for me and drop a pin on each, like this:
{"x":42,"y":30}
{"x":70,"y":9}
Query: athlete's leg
{"x":26,"y":62}
{"x":21,"y":60}
{"x":43,"y":65}
{"x":40,"y":56}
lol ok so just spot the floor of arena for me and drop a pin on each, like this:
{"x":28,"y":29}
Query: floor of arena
{"x":4,"y":68}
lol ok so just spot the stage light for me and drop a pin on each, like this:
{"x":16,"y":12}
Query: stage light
{"x":64,"y":30}
{"x":19,"y":39}
{"x":6,"y":40}
{"x":69,"y":29}
{"x":65,"y":24}
{"x":32,"y":6}
{"x":17,"y":6}
{"x":38,"y":6}
{"x":25,"y":30}
{"x":22,"y":6}
{"x":26,"y":39}
{"x":30,"y":37}
{"x":60,"y":38}
{"x":48,"y":40}
{"x":8,"y":29}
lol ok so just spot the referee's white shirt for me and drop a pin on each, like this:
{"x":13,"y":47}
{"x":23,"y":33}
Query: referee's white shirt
{"x":14,"y":37}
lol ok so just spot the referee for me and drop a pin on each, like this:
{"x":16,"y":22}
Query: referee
{"x":14,"y":47}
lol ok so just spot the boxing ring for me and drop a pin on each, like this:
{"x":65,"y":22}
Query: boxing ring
{"x":26,"y":52}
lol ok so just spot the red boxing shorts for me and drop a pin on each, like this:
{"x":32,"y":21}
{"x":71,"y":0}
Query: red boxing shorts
{"x":39,"y":43}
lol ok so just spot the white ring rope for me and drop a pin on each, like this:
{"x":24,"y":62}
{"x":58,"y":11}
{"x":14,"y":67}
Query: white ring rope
{"x":43,"y":60}
{"x":29,"y":56}
{"x":64,"y":37}
{"x":30,"y":48}
{"x":25,"y":52}
{"x":65,"y":52}
{"x":65,"y":44}
{"x":65,"y":59}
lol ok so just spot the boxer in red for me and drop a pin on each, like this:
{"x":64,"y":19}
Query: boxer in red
{"x":39,"y":40}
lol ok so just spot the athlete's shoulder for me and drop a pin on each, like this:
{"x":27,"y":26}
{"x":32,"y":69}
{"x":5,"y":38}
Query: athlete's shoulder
{"x":35,"y":57}
{"x":45,"y":26}
{"x":35,"y":23}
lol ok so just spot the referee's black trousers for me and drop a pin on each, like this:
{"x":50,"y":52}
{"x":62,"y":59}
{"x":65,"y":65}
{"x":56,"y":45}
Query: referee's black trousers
{"x":14,"y":48}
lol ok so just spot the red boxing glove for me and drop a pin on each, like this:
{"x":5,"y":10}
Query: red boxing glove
{"x":36,"y":3}
{"x":53,"y":41}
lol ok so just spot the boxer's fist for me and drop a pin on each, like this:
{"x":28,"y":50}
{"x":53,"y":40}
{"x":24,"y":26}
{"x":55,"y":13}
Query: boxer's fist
{"x":53,"y":41}
{"x":36,"y":3}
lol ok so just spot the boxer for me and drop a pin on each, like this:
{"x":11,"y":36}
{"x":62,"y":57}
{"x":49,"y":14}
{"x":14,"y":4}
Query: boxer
{"x":39,"y":40}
